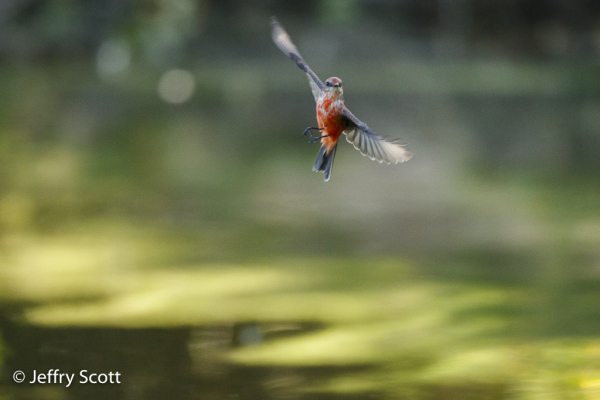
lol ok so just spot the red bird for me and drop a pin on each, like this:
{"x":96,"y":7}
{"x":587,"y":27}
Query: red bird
{"x":334,"y":118}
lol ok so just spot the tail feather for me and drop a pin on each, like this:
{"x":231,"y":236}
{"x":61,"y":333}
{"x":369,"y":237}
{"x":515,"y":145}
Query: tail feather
{"x":324,"y":161}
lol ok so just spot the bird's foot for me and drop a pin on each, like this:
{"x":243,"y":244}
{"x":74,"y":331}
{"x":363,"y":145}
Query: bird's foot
{"x":310,"y":128}
{"x":317,"y":138}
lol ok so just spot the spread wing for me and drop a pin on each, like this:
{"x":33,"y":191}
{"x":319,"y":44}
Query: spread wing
{"x":283,"y":41}
{"x":371,"y":144}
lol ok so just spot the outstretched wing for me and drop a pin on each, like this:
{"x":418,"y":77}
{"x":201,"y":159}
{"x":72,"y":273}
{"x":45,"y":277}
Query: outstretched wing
{"x":371,"y":144}
{"x":283,"y":41}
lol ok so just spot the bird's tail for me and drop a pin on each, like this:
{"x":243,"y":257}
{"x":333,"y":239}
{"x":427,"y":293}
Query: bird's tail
{"x":324,"y":161}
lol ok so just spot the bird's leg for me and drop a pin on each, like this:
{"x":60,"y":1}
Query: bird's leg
{"x":316,"y":138}
{"x":310,"y":129}
{"x":313,"y":138}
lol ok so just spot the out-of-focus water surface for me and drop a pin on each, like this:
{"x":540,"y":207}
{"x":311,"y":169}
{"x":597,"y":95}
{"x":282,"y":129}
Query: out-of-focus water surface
{"x":159,"y":216}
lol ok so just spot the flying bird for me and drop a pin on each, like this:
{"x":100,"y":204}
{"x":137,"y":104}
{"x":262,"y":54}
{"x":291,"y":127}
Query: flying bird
{"x":334,"y":118}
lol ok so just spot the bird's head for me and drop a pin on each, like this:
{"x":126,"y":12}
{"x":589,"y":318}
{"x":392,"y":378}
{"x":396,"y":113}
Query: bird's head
{"x":334,"y":84}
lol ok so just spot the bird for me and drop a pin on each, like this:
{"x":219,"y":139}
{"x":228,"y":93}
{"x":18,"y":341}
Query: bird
{"x":334,"y":118}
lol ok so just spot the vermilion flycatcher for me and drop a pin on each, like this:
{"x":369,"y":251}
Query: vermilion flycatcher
{"x":334,"y":118}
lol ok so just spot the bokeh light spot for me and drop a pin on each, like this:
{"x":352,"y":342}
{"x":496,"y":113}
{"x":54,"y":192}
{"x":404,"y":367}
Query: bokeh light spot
{"x":176,"y":86}
{"x":113,"y":58}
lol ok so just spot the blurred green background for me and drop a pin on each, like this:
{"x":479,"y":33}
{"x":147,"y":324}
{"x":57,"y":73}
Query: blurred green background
{"x":159,"y":216}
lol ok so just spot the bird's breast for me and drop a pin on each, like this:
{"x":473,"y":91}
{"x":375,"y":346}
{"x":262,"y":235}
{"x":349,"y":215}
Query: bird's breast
{"x":329,"y":114}
{"x":329,"y":117}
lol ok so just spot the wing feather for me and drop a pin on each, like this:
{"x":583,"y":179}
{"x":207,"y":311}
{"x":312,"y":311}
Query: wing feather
{"x":371,"y":144}
{"x":285,"y":44}
{"x":380,"y":155}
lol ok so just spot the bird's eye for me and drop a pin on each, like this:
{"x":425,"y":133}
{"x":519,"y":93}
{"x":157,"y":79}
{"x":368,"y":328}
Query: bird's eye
{"x":327,"y":83}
